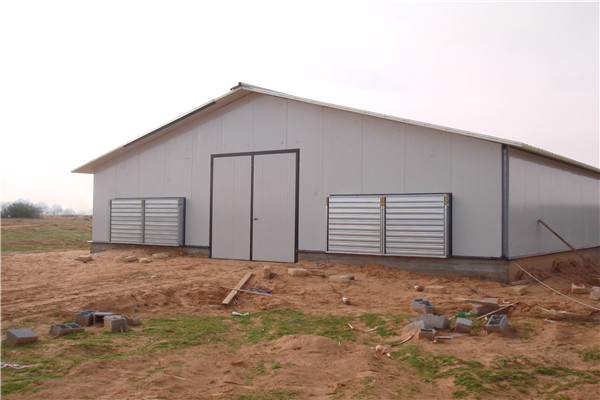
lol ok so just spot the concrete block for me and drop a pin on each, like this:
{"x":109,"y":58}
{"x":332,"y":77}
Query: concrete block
{"x":160,"y":256}
{"x":339,"y":278}
{"x":129,"y":259}
{"x":577,"y":288}
{"x":497,"y":323}
{"x":416,"y":325}
{"x":297,"y":272}
{"x":463,"y":325}
{"x":426,"y":334}
{"x":16,"y":337}
{"x":99,"y":316}
{"x":84,"y":258}
{"x":595,"y":293}
{"x":485,"y":306}
{"x":85,"y":318}
{"x":519,"y":290}
{"x":145,"y":260}
{"x":132,"y":321}
{"x":437,"y":321}
{"x":266,"y":273}
{"x":435,"y":289}
{"x":423,"y":306}
{"x":115,"y":323}
{"x":63,"y":329}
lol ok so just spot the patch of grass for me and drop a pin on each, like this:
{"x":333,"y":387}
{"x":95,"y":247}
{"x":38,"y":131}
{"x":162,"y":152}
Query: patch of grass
{"x":592,"y":354}
{"x":46,"y":234}
{"x":263,"y":394}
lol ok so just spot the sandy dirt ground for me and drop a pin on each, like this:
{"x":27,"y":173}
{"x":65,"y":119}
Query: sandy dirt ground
{"x":46,"y":288}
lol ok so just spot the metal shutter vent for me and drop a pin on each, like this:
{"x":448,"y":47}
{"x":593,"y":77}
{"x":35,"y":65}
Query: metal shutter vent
{"x":158,"y":221}
{"x":414,"y":225}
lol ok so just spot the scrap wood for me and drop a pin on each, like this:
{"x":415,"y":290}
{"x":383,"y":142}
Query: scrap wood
{"x":14,"y":366}
{"x":450,"y":336}
{"x":246,"y":291}
{"x":498,"y":310}
{"x":237,"y":287}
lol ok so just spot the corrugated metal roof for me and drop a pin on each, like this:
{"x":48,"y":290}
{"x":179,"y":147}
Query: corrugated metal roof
{"x":243,"y":89}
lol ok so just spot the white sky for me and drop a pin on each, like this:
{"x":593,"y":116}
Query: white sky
{"x":80,"y":78}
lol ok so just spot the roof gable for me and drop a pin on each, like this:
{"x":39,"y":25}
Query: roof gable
{"x":243,"y":89}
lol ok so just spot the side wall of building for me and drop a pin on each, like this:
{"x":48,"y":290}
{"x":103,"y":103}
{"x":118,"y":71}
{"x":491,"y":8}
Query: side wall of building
{"x":340,"y":153}
{"x":565,"y":197}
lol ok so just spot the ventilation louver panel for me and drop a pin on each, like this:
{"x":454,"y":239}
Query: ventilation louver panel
{"x":417,"y":225}
{"x":158,"y":221}
{"x":163,"y":222}
{"x":126,"y":221}
{"x":354,"y":224}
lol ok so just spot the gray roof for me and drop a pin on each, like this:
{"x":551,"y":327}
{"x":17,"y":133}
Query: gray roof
{"x":244,"y":89}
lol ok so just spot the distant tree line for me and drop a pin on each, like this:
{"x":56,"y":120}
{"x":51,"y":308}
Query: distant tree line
{"x":25,"y":209}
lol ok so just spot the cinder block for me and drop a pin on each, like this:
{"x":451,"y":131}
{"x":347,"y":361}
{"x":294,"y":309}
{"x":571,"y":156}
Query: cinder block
{"x":423,"y":306}
{"x":577,"y":288}
{"x":497,"y":323}
{"x":16,"y":337}
{"x":99,"y":316}
{"x":129,"y":259}
{"x":437,"y":321}
{"x":63,"y":329}
{"x":595,"y":293}
{"x":84,"y":258}
{"x":435,"y":289}
{"x":115,"y":323}
{"x":297,"y":272}
{"x":145,"y":260}
{"x":416,"y":325}
{"x":132,"y":321}
{"x":85,"y":318}
{"x":339,"y":278}
{"x":463,"y":325}
{"x":519,"y":290}
{"x":426,"y":334}
{"x":485,"y":306}
{"x":160,"y":256}
{"x":266,"y":273}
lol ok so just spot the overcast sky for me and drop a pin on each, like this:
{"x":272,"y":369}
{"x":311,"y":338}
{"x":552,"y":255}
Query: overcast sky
{"x":80,"y":78}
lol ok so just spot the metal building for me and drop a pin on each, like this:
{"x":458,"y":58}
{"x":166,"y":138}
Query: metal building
{"x":261,"y":175}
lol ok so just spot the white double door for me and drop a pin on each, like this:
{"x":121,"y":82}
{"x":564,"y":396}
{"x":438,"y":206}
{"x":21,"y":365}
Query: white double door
{"x":254,"y":206}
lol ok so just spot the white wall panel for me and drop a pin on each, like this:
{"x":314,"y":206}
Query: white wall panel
{"x":178,"y":165}
{"x":428,"y":160}
{"x":564,"y":197}
{"x":477,"y":197}
{"x":237,"y":126}
{"x":304,"y":132}
{"x":269,"y":123}
{"x":383,"y":158}
{"x":127,"y":176}
{"x":104,"y":189}
{"x":342,"y":152}
{"x":152,"y":171}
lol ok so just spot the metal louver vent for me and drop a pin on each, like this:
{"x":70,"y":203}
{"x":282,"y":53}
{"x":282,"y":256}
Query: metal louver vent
{"x":414,"y":225}
{"x":159,"y":221}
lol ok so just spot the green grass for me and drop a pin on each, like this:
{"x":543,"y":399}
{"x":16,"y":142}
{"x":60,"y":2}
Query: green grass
{"x":46,"y":234}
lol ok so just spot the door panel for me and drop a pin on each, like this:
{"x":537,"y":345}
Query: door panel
{"x":231,"y":196}
{"x":274,"y":207}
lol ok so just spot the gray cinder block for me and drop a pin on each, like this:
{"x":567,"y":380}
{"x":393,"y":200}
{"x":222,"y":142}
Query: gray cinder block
{"x":99,"y":316}
{"x":115,"y":323}
{"x":416,"y":325}
{"x":426,"y":334}
{"x":436,"y":321}
{"x":63,"y":329}
{"x":423,"y":306}
{"x":15,"y":337}
{"x":463,"y":325}
{"x":85,"y":318}
{"x":497,"y":323}
{"x":132,"y":321}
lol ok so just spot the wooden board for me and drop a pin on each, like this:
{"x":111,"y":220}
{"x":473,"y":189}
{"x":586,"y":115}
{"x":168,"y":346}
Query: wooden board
{"x":234,"y":291}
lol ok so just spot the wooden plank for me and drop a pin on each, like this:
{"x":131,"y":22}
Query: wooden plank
{"x":237,"y":287}
{"x":246,"y":291}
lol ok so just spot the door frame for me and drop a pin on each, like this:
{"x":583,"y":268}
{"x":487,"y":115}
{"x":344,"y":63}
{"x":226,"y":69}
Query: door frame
{"x":252,"y":154}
